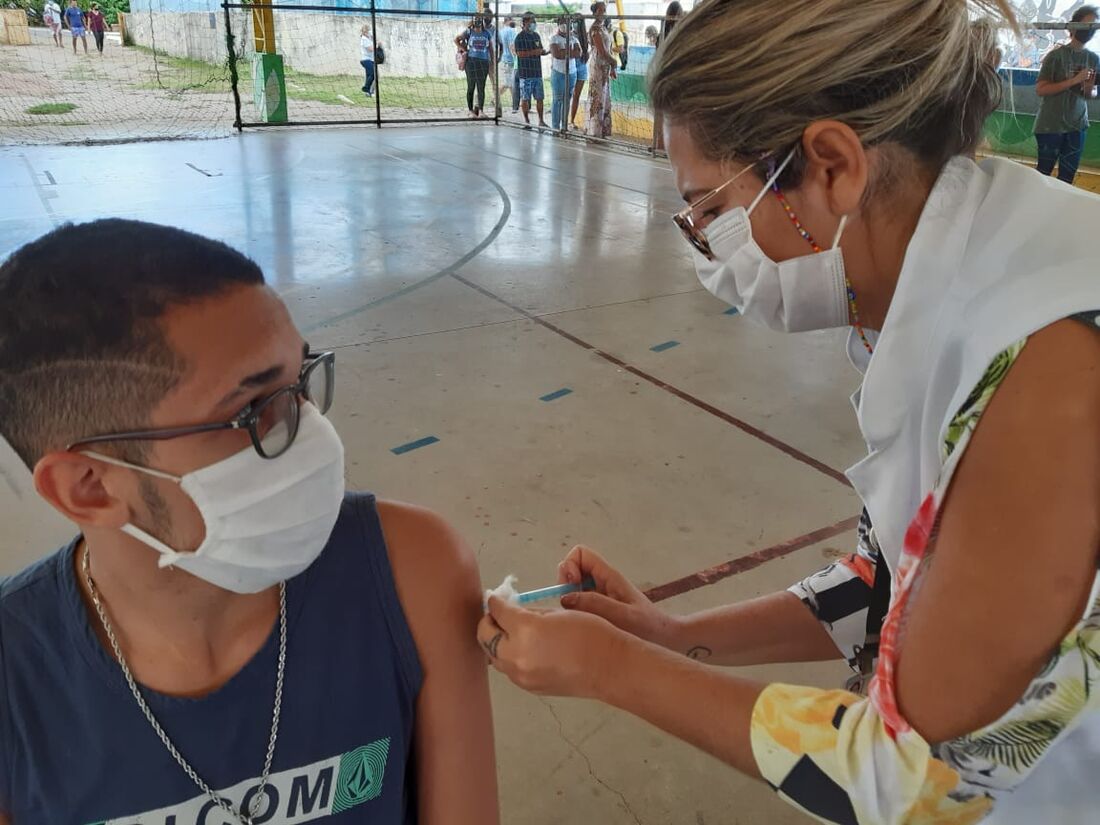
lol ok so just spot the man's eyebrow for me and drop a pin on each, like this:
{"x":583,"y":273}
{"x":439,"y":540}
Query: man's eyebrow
{"x":256,"y":379}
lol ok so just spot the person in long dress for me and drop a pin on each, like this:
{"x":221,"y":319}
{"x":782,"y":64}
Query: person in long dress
{"x":601,"y":72}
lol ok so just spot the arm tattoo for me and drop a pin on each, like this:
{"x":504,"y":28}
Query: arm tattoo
{"x":699,"y":652}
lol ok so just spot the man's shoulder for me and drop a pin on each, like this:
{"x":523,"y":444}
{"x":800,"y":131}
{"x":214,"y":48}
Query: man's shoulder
{"x":33,"y":581}
{"x":33,"y":600}
{"x":417,"y":537}
{"x":431,"y":564}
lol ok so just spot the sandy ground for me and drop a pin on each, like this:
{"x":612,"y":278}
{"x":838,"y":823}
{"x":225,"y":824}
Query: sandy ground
{"x":117,"y":97}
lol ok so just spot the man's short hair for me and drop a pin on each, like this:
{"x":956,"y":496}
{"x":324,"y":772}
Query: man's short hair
{"x":1084,"y":12}
{"x":82,"y":351}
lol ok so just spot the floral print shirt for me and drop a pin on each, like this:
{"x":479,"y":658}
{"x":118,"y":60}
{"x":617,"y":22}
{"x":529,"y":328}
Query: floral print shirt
{"x":853,"y":760}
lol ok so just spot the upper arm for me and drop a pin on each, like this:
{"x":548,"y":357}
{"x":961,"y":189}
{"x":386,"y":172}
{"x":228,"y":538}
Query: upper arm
{"x":1046,"y":70}
{"x":440,"y":589}
{"x":1016,"y":551}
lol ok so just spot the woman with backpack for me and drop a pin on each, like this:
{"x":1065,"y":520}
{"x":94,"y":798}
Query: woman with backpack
{"x":366,"y":59}
{"x":476,"y":44}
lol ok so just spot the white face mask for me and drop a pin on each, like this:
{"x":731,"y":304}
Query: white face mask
{"x":267,"y":520}
{"x":796,"y":295}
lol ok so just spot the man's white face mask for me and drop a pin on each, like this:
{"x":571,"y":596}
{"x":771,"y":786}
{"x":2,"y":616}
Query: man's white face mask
{"x":267,"y":520}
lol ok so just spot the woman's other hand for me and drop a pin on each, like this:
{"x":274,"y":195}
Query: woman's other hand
{"x":555,"y":653}
{"x":615,"y":599}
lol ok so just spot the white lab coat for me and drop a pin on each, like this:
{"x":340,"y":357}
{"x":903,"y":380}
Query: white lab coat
{"x":999,"y":253}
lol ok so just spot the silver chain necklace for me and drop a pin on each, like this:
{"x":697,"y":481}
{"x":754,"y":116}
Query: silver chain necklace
{"x":261,"y":791}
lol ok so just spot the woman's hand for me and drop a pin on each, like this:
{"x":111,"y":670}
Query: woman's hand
{"x":556,"y":652}
{"x":615,"y":599}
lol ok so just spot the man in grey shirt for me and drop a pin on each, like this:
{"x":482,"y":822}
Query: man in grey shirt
{"x":1066,"y":82}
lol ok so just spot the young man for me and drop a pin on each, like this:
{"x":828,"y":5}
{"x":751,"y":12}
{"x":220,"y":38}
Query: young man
{"x":1066,"y":82}
{"x":530,"y":52}
{"x":75,"y":18}
{"x":509,"y":80}
{"x":51,"y":16}
{"x":232,"y":637}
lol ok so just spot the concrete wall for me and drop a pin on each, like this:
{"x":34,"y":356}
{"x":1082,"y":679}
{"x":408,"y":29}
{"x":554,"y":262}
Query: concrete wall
{"x":320,"y":43}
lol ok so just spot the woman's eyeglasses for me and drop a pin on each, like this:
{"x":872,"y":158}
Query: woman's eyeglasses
{"x":272,"y":422}
{"x":685,"y":219}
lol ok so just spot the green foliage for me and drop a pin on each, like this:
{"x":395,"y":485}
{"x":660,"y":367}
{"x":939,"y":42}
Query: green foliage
{"x":110,"y":8}
{"x":51,"y":109}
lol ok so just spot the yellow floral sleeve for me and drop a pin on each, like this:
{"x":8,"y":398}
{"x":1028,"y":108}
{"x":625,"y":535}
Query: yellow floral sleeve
{"x":831,"y":754}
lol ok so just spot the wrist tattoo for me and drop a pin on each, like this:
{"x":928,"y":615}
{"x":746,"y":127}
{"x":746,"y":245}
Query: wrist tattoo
{"x":492,"y":645}
{"x":699,"y":652}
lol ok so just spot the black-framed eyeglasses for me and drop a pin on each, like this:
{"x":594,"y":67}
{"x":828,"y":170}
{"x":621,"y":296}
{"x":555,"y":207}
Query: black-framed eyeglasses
{"x":272,"y":422}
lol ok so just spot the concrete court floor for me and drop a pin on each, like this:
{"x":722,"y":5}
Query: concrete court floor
{"x":465,"y":274}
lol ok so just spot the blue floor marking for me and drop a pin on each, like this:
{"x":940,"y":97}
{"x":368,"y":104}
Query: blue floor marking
{"x":414,"y":445}
{"x":664,"y":346}
{"x":554,"y":396}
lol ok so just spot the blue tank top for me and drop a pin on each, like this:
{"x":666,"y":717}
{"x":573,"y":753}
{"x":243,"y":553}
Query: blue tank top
{"x":76,"y":750}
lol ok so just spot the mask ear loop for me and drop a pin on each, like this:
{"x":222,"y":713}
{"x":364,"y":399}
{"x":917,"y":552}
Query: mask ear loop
{"x":840,"y":231}
{"x":774,"y":177}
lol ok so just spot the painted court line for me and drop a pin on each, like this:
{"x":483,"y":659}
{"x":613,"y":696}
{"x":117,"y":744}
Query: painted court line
{"x":699,"y":403}
{"x":745,"y":563}
{"x":414,"y":445}
{"x":664,"y":346}
{"x":554,"y":396}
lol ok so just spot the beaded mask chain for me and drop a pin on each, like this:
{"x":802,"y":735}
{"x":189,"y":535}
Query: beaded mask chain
{"x":853,"y":310}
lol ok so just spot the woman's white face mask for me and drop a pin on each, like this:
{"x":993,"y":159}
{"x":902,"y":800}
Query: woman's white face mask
{"x":796,"y":295}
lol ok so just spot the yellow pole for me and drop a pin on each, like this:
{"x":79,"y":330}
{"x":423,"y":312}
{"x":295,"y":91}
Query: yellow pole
{"x":263,"y":29}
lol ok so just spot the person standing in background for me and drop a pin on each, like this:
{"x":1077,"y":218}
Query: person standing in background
{"x":602,"y":71}
{"x":1066,"y":82}
{"x":75,"y":18}
{"x":98,"y":26}
{"x":51,"y":15}
{"x":672,"y":16}
{"x":530,"y":52}
{"x":494,"y":57}
{"x":366,"y":59}
{"x":582,"y":69}
{"x":477,"y":44}
{"x":509,"y":79}
{"x":563,"y":72}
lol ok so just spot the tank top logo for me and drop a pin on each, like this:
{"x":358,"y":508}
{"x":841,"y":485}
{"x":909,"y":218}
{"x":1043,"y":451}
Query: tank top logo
{"x":299,"y":795}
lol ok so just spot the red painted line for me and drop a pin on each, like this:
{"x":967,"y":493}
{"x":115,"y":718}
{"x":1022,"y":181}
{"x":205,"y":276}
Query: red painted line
{"x":755,"y":432}
{"x":749,"y":562}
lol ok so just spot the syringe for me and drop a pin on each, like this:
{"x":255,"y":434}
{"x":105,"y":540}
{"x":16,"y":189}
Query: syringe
{"x":555,"y":592}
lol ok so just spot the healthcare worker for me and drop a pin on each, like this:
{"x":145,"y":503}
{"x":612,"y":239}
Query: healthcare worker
{"x":836,"y":190}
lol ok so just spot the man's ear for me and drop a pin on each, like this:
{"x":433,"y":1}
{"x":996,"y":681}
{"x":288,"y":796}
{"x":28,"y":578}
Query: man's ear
{"x":84,"y":490}
{"x":836,"y":163}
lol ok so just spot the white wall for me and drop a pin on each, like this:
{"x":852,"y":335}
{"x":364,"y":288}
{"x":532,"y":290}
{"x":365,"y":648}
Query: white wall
{"x":320,"y":43}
